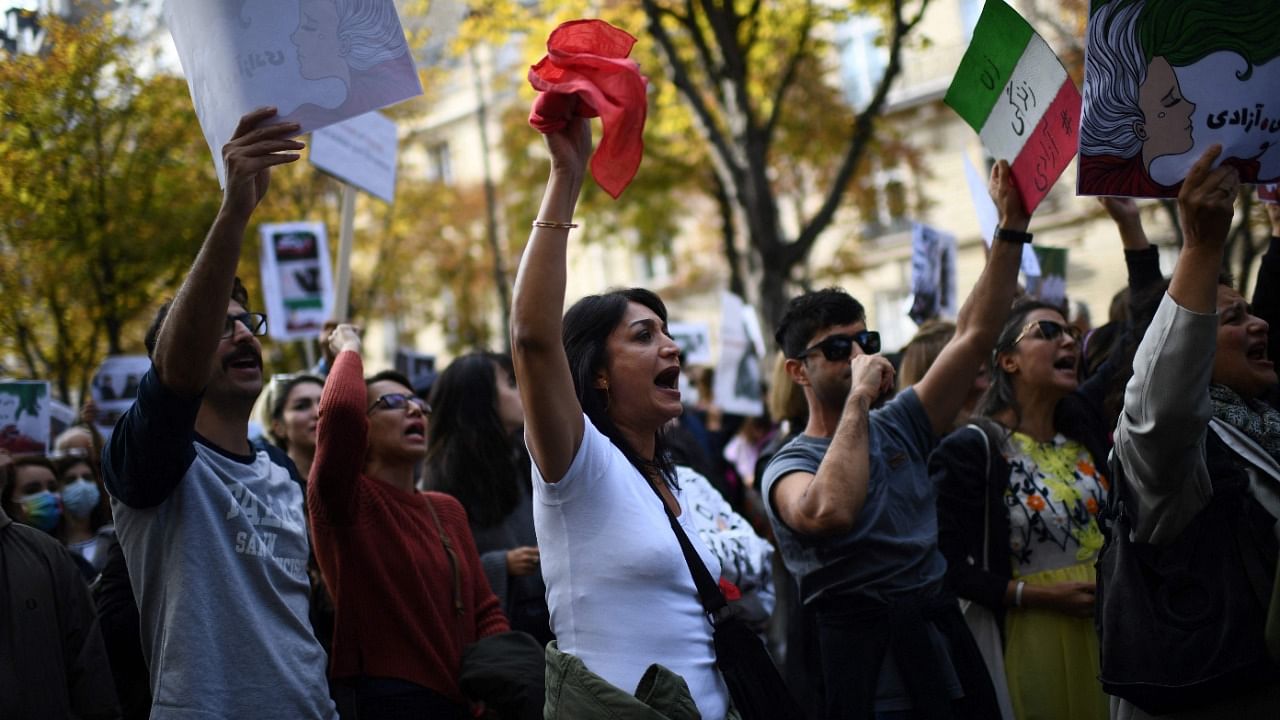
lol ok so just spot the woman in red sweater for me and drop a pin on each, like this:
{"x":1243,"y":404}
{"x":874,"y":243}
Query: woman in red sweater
{"x":407,"y":584}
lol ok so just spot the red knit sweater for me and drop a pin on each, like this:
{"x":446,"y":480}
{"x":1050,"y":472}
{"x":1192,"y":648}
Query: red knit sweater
{"x":383,"y":560}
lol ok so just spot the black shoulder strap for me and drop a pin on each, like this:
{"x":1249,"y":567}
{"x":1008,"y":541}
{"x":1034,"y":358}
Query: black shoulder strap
{"x":708,"y":589}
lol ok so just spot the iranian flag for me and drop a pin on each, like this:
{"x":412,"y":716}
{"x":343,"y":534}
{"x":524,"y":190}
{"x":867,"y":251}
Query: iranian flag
{"x":1014,"y":91}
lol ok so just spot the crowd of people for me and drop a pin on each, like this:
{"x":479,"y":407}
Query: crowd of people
{"x":1013,"y":517}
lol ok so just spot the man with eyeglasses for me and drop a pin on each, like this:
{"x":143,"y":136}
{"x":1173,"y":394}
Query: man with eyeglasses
{"x":214,"y":534}
{"x":852,"y":506}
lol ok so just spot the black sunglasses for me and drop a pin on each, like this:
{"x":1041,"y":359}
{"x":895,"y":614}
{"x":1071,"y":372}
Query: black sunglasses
{"x":1048,"y":330}
{"x":839,"y":347}
{"x":255,"y":323}
{"x":401,"y":401}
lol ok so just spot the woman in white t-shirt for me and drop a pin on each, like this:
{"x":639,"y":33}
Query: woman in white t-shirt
{"x":597,"y":388}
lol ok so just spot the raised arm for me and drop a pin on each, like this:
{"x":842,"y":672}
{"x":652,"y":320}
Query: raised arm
{"x":827,"y":502}
{"x":1160,"y":433}
{"x":341,"y":432}
{"x":553,"y":418}
{"x":945,"y":386}
{"x":189,"y":336}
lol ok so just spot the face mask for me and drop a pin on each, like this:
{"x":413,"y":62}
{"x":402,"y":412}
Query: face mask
{"x":43,"y":510}
{"x":80,"y":497}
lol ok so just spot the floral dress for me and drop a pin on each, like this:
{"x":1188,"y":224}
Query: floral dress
{"x":1051,"y":660}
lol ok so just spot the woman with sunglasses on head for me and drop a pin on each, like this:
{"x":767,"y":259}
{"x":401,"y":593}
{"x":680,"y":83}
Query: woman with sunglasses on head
{"x":401,"y":565}
{"x":1026,"y":485}
{"x":598,"y":385}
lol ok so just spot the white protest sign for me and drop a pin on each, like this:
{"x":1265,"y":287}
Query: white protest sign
{"x":989,"y":217}
{"x":360,"y":151}
{"x":297,"y":281}
{"x":115,"y":387}
{"x":933,"y":273}
{"x":694,"y":340}
{"x":737,"y":384}
{"x":24,"y":417}
{"x":61,"y":417}
{"x":318,"y":62}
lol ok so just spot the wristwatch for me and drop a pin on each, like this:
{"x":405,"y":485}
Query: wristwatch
{"x":1017,"y":236}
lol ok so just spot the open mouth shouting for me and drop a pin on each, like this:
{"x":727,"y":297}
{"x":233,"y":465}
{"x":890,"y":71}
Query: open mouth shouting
{"x":243,"y":359}
{"x":416,"y":430}
{"x":669,"y":380}
{"x":1256,"y":352}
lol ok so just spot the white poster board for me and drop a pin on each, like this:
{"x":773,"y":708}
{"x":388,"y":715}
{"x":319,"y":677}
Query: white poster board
{"x":297,"y":280}
{"x":61,"y":417}
{"x":115,"y":387}
{"x":737,"y":385}
{"x":24,"y":417}
{"x":318,"y":62}
{"x":361,"y":152}
{"x":933,"y":273}
{"x":694,"y":340}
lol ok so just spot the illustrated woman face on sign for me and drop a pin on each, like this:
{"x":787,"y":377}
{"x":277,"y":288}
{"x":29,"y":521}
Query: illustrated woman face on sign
{"x":1136,"y":103}
{"x":1164,"y":79}
{"x":336,"y":38}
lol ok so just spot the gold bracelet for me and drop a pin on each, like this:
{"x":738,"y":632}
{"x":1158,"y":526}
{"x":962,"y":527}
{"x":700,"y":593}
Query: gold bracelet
{"x":554,"y":225}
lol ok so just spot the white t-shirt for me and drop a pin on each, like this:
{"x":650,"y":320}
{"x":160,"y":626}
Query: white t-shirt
{"x":619,"y":590}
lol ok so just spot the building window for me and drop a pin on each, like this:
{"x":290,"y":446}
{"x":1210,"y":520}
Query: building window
{"x":862,"y":58}
{"x":886,"y":205}
{"x":439,"y":164}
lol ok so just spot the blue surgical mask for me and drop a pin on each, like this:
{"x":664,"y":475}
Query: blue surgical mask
{"x":80,"y":497}
{"x":43,"y":510}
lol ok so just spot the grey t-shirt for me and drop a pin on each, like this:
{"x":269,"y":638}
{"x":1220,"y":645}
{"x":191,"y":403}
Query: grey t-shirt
{"x":892,"y":551}
{"x":216,"y":547}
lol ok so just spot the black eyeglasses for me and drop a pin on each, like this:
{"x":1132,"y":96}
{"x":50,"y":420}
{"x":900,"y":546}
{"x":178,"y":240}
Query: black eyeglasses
{"x":255,"y":323}
{"x":839,"y":347}
{"x":400,"y":401}
{"x":1048,"y":330}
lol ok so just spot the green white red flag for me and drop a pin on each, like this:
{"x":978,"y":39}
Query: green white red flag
{"x":1014,"y":91}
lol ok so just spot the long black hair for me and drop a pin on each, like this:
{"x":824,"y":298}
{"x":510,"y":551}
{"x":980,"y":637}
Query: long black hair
{"x":469,"y":455}
{"x":1000,"y":394}
{"x":587,"y":327}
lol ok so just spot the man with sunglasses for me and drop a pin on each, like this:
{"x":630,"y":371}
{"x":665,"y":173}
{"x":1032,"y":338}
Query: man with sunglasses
{"x":213,"y":533}
{"x":852,"y":506}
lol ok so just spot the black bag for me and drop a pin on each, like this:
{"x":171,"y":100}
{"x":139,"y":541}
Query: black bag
{"x":507,"y":672}
{"x":1181,"y":625}
{"x":755,"y":686}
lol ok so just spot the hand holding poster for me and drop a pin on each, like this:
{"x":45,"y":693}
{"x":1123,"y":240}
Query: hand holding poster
{"x":317,"y":61}
{"x":296,"y":279}
{"x":989,"y":217}
{"x":1014,"y":91}
{"x":24,"y":417}
{"x":1166,"y":79}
